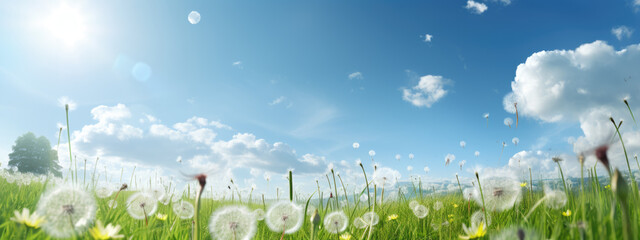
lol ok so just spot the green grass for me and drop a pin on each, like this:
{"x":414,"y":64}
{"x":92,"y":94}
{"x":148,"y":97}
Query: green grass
{"x":548,"y":223}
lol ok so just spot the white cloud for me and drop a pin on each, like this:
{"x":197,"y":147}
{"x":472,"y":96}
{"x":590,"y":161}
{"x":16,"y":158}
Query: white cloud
{"x":238,"y":64}
{"x":356,"y":75}
{"x":429,"y":90}
{"x":64,"y":100}
{"x":277,"y":101}
{"x":428,"y":37}
{"x":476,"y":7}
{"x":622,"y":32}
{"x":545,"y":89}
{"x":505,"y":2}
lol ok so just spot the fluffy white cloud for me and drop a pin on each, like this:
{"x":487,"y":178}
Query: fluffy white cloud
{"x":622,"y":32}
{"x":429,"y":90}
{"x":356,"y":75}
{"x":428,"y":37}
{"x":476,"y":7}
{"x":277,"y":101}
{"x":586,"y":85}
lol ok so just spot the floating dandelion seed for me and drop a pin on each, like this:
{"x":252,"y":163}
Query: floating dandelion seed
{"x":372,"y":153}
{"x":66,"y":211}
{"x":486,"y":115}
{"x":370,"y":218}
{"x":426,"y":169}
{"x":284,"y":217}
{"x":141,"y":204}
{"x":508,"y":122}
{"x":356,"y":145}
{"x":515,"y":141}
{"x":420,"y":211}
{"x":103,"y":192}
{"x":409,"y":168}
{"x":336,"y":222}
{"x":449,"y":158}
{"x":437,"y":206}
{"x":477,"y":154}
{"x":462,"y":163}
{"x":194,"y":17}
{"x":411,"y":156}
{"x":500,"y":193}
{"x":184,"y":210}
{"x":258,"y":214}
{"x":232,"y":222}
{"x":478,"y":217}
{"x":463,"y":144}
{"x":398,"y":157}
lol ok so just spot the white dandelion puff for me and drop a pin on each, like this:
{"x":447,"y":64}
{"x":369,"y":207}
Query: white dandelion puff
{"x":103,"y":192}
{"x":336,"y":222}
{"x":359,"y":223}
{"x":426,"y":169}
{"x":67,"y":211}
{"x":284,"y":217}
{"x":515,"y":141}
{"x":184,"y":210}
{"x":449,"y":158}
{"x":508,"y":122}
{"x":372,"y":153}
{"x":463,"y":144}
{"x":413,"y":204}
{"x":554,"y":198}
{"x":477,"y":153}
{"x":370,"y":218}
{"x":398,"y":156}
{"x":258,"y":214}
{"x":386,"y":177}
{"x":437,"y":206}
{"x":194,"y":17}
{"x":141,"y":205}
{"x":409,"y":168}
{"x":356,"y":145}
{"x":232,"y":222}
{"x":420,"y":211}
{"x":500,"y":193}
{"x":411,"y":156}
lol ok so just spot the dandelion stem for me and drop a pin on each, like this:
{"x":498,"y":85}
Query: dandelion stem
{"x":484,"y":210}
{"x":366,"y":181}
{"x":66,"y":108}
{"x":291,"y":185}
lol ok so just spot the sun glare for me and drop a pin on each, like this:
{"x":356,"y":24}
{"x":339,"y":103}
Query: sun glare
{"x":66,"y":24}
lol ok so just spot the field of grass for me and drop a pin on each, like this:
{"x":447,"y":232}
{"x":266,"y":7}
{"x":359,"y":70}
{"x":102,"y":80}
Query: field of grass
{"x":595,"y":211}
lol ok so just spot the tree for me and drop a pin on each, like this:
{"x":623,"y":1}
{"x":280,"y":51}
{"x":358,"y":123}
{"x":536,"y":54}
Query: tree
{"x":35,"y":155}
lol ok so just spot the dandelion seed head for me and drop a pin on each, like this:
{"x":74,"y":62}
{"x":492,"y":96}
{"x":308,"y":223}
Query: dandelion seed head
{"x":232,"y":222}
{"x":66,"y":211}
{"x":370,"y":218}
{"x":184,"y":210}
{"x":500,"y":193}
{"x":386,"y":177}
{"x":359,"y":223}
{"x":336,"y":222}
{"x":420,"y":211}
{"x":515,"y":140}
{"x":103,"y":192}
{"x":284,"y":215}
{"x":141,"y":205}
{"x":478,"y":217}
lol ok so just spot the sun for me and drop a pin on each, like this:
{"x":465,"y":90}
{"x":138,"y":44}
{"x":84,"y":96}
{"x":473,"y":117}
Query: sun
{"x":66,"y":24}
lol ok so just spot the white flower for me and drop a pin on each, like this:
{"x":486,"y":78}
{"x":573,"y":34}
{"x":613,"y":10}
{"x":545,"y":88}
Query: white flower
{"x":108,"y":232}
{"x":67,"y":211}
{"x":232,"y":222}
{"x":336,"y":222}
{"x":285,"y":216}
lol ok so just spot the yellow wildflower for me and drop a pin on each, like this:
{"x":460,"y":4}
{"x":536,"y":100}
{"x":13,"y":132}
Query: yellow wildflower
{"x":455,"y":205}
{"x":523,"y":184}
{"x":567,"y":213}
{"x":31,"y":220}
{"x":345,"y":236}
{"x":102,"y":233}
{"x":392,"y":217}
{"x":608,"y":186}
{"x":474,"y":231}
{"x":161,"y":216}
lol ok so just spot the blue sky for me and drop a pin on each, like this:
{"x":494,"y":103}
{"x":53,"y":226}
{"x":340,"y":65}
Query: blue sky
{"x":280,"y":71}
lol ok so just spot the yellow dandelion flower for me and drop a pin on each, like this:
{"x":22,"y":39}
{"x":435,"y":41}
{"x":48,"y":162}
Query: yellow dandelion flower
{"x":104,"y":233}
{"x":567,"y":213}
{"x":455,"y":205}
{"x":345,"y":236}
{"x":31,"y":220}
{"x":523,"y":184}
{"x":608,"y":186}
{"x":474,"y":231}
{"x":161,"y":216}
{"x":392,"y":217}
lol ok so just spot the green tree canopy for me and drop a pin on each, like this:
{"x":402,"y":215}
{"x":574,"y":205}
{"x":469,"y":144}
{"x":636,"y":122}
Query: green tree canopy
{"x":31,"y":154}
